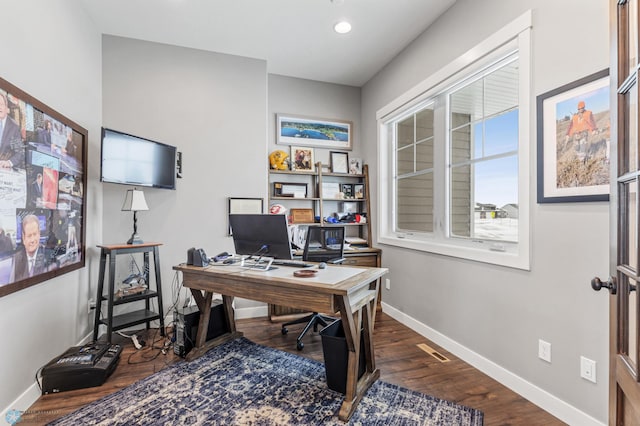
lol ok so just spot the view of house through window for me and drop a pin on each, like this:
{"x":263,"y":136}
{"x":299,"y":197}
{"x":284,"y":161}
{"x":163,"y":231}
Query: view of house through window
{"x":414,"y":155}
{"x":483,"y":136}
{"x":482,"y":140}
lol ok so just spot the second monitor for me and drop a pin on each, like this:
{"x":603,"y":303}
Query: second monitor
{"x":261,"y":235}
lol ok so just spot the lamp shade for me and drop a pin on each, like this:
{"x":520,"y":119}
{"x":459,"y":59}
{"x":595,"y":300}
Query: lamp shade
{"x":134,"y":201}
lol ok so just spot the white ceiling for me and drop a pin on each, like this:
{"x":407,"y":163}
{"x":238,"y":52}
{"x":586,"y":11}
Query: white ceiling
{"x":295,"y":37}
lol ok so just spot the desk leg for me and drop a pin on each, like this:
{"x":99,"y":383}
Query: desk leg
{"x":354,"y":322}
{"x":98,"y":310}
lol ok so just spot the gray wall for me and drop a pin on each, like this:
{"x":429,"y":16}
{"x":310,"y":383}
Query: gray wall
{"x":494,"y":314}
{"x":52,"y":52}
{"x":213,"y":108}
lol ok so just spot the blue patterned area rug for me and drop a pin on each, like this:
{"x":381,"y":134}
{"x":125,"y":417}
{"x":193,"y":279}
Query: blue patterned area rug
{"x":243,"y":383}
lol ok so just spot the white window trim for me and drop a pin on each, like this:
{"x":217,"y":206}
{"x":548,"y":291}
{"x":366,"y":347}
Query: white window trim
{"x":510,"y":255}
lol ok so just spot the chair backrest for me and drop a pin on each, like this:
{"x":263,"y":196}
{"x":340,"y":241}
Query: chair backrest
{"x":324,"y":243}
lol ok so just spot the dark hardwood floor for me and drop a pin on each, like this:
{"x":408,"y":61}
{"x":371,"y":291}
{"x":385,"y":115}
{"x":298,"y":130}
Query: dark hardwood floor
{"x":398,"y":357}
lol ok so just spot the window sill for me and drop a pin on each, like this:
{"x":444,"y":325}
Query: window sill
{"x":516,"y":256}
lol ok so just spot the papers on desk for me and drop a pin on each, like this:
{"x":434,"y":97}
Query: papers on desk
{"x":355,"y":240}
{"x":331,"y":275}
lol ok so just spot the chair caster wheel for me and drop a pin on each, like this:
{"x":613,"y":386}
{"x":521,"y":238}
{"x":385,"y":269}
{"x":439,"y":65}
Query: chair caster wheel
{"x":299,"y":345}
{"x":284,"y":330}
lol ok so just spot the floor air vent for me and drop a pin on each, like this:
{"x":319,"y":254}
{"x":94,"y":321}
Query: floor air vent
{"x":437,"y":355}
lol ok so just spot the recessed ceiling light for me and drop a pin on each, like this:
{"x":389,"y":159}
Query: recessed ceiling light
{"x":342,"y":27}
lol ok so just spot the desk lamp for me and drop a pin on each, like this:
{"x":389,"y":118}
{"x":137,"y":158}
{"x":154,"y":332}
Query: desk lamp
{"x":134,"y":202}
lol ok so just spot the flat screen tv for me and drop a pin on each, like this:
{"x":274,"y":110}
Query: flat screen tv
{"x":261,"y":234}
{"x":132,"y":160}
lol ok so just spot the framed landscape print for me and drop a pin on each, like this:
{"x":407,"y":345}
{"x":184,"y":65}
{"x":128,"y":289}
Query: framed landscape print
{"x":315,"y":132}
{"x":43,"y":176}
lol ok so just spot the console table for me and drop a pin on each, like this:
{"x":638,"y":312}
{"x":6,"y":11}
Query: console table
{"x":146,"y":315}
{"x":352,"y":291}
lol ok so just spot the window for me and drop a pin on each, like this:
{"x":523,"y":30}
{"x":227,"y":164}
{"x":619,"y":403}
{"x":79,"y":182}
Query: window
{"x":454,"y":169}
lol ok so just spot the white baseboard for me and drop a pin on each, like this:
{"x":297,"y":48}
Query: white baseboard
{"x":252,"y":312}
{"x":559,"y":408}
{"x":23,"y":402}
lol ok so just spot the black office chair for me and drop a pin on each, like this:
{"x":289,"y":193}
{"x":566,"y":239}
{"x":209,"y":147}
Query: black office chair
{"x":323,"y":244}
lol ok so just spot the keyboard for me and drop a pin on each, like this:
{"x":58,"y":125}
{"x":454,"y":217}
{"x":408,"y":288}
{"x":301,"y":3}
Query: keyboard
{"x":292,"y":263}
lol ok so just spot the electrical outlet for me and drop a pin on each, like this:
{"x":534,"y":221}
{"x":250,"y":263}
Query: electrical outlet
{"x":387,"y":283}
{"x":91,"y":305}
{"x":544,"y":350}
{"x":588,"y":369}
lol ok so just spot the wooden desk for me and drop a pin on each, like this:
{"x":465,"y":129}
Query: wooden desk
{"x":352,"y":291}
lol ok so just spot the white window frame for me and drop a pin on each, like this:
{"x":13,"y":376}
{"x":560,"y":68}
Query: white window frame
{"x":514,"y":36}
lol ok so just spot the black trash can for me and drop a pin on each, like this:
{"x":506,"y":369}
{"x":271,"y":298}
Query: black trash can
{"x":336,"y":356}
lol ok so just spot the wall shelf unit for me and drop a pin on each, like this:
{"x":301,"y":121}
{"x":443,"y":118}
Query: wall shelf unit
{"x":324,"y":193}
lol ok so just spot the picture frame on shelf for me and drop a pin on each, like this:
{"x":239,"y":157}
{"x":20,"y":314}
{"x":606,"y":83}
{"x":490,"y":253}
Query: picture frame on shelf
{"x":302,"y":216}
{"x":573,"y":166}
{"x":355,"y":166}
{"x":358,"y":190}
{"x":349,"y":207}
{"x":290,"y":189}
{"x":331,"y":190}
{"x":314,"y":132}
{"x":339,"y":162}
{"x":302,"y":159}
{"x":347,"y":190}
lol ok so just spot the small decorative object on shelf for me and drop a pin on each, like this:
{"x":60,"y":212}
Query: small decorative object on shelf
{"x":278,"y":160}
{"x":358,"y":190}
{"x":277,"y":209}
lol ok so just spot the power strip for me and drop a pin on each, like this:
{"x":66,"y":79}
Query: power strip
{"x":136,"y":343}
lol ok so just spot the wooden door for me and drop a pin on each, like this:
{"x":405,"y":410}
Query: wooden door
{"x":624,"y":325}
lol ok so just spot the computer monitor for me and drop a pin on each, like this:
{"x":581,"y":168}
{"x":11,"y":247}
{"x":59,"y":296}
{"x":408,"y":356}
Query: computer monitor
{"x":261,"y":235}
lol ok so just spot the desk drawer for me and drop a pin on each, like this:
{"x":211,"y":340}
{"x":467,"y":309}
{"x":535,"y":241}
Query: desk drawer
{"x":361,"y":260}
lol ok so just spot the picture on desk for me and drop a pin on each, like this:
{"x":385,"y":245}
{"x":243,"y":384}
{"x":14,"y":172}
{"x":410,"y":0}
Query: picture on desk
{"x":42,"y":180}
